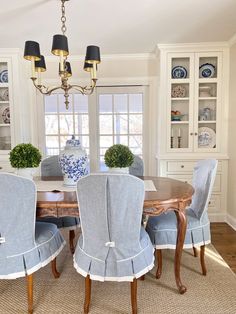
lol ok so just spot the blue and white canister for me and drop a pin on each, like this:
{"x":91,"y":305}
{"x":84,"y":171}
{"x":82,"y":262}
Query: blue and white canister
{"x":73,"y":161}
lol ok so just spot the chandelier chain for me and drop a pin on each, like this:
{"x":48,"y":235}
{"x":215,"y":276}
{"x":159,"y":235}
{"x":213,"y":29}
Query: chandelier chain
{"x":63,"y":17}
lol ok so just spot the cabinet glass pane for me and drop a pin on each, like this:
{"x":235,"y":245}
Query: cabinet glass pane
{"x":179,"y":135}
{"x":3,"y":72}
{"x":5,"y":114}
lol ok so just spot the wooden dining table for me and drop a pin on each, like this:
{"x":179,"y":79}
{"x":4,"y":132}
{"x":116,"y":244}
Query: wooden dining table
{"x":170,"y":194}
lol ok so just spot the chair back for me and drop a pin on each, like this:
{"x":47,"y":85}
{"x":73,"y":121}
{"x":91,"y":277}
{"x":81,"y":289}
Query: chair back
{"x":203,"y":181}
{"x":50,"y":167}
{"x":136,"y":169}
{"x":17,"y":214}
{"x":110,"y":208}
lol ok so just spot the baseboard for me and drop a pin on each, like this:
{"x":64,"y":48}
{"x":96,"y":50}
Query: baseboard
{"x":217,"y":217}
{"x":231,"y":221}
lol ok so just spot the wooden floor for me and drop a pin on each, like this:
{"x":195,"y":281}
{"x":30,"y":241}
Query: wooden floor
{"x":223,"y":237}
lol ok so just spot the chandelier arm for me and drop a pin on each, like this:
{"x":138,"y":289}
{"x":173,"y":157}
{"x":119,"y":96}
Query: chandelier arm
{"x":44,"y":89}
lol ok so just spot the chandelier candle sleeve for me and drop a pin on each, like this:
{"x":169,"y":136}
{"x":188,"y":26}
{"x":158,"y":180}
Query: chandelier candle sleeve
{"x":60,"y":48}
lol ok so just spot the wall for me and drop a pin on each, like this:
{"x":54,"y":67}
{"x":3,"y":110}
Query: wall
{"x":232,"y":145}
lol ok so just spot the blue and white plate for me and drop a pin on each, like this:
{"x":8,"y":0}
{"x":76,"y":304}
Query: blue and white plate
{"x":4,"y":76}
{"x":179,"y":72}
{"x":206,"y":70}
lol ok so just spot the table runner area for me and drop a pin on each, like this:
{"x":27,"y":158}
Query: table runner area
{"x":59,"y":186}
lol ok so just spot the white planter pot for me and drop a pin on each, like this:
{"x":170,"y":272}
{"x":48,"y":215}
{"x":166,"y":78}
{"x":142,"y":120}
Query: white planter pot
{"x":73,"y":161}
{"x":26,"y":172}
{"x":119,"y":170}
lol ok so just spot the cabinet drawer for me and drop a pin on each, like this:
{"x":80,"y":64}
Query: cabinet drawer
{"x":214,"y":204}
{"x":185,"y":166}
{"x":188,"y":179}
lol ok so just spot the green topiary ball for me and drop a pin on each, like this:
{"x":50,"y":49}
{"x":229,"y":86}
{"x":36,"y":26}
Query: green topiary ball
{"x":118,"y":156}
{"x":25,"y":156}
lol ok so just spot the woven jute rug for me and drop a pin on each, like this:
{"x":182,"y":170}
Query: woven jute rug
{"x":215,"y":293}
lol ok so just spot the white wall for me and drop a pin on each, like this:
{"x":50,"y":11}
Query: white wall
{"x":232,"y":139}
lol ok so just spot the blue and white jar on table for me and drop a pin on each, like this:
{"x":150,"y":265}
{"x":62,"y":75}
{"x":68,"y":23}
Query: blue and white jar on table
{"x":73,"y":161}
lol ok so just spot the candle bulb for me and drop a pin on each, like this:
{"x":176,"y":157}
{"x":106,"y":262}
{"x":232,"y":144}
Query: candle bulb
{"x":179,"y":134}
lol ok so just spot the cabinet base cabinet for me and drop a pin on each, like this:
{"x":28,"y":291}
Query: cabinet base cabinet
{"x":183,"y":171}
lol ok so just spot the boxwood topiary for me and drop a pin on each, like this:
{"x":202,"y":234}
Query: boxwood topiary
{"x":25,"y":156}
{"x":118,"y":156}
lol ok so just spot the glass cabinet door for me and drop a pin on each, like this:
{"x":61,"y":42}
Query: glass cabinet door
{"x":207,"y":97}
{"x":5,"y":119}
{"x":180,"y":98}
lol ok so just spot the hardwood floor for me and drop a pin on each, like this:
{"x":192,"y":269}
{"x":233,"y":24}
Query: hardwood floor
{"x":223,"y":237}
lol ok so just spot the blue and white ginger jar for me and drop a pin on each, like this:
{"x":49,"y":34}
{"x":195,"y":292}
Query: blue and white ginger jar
{"x":73,"y":161}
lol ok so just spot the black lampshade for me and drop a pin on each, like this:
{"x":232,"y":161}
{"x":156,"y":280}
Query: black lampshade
{"x":32,"y":50}
{"x":93,"y":54}
{"x":87,"y":66}
{"x":60,"y":43}
{"x":68,"y":69}
{"x":40,"y":64}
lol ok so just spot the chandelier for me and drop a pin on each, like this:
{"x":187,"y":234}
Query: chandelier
{"x":60,"y":49}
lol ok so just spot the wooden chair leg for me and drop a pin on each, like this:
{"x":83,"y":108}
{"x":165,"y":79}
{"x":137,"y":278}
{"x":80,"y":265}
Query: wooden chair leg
{"x":142,"y":278}
{"x":30,"y":293}
{"x":133,"y":286}
{"x":87,"y":294}
{"x":202,"y":259}
{"x":159,"y":263}
{"x":56,"y":274}
{"x":195,"y":252}
{"x":71,"y":240}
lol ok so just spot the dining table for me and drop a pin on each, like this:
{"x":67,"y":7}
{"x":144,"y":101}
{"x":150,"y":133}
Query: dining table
{"x":161,"y":195}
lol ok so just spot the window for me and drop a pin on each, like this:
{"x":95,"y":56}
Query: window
{"x":113,"y":115}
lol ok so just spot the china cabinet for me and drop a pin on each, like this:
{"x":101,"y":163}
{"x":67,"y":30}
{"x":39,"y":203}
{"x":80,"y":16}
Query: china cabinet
{"x":193,"y":114}
{"x":9,"y":106}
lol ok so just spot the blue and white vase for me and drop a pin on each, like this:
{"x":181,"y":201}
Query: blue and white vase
{"x":73,"y":161}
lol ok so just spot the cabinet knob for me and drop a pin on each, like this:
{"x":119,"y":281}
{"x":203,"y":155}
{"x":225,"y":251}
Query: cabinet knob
{"x":182,"y":166}
{"x":0,"y":168}
{"x":195,"y":133}
{"x":209,"y":203}
{"x":191,"y":133}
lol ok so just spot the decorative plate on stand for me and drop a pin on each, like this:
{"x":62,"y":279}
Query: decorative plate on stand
{"x":6,"y":115}
{"x":206,"y":137}
{"x":206,"y":70}
{"x":178,"y":91}
{"x":179,"y":72}
{"x":4,"y":76}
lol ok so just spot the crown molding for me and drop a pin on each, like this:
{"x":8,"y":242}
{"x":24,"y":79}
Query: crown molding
{"x":211,"y":45}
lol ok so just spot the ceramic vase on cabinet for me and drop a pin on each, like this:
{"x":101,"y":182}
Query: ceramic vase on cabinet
{"x":73,"y":161}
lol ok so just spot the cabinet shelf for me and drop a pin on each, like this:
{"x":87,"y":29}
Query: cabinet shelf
{"x":5,"y":124}
{"x":208,"y":80}
{"x":179,"y":98}
{"x":207,"y":98}
{"x":179,"y":122}
{"x":180,"y":81}
{"x":206,"y":121}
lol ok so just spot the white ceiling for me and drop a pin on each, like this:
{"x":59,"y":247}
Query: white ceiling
{"x":117,"y":26}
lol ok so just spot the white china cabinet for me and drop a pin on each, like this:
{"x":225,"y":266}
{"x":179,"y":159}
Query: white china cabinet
{"x":193,"y":114}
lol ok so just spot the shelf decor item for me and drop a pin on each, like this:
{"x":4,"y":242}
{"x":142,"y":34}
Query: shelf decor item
{"x":178,"y":91}
{"x":25,"y":158}
{"x":179,"y":72}
{"x":4,"y":94}
{"x":206,"y":70}
{"x":60,"y":49}
{"x":73,"y":161}
{"x":206,"y":137}
{"x":4,"y":76}
{"x":6,"y":115}
{"x":205,"y":91}
{"x":119,"y":158}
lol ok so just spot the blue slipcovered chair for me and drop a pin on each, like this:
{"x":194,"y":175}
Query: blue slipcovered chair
{"x":136,"y":169}
{"x":163,"y":229}
{"x":113,"y":246}
{"x":25,"y":246}
{"x":50,"y":167}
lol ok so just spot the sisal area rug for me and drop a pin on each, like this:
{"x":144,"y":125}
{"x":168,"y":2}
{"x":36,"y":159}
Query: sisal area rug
{"x":215,"y":293}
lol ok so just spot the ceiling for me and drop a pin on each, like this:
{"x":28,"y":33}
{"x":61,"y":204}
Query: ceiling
{"x":117,"y":26}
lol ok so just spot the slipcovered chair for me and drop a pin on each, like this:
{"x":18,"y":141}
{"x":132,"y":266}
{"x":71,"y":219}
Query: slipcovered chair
{"x":113,"y":246}
{"x":25,"y":245}
{"x":163,"y":229}
{"x":136,"y":169}
{"x":50,"y":167}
